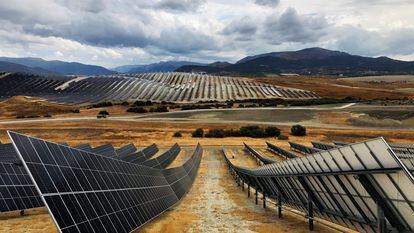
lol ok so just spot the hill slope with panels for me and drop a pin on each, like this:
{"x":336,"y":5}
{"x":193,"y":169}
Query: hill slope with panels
{"x":157,"y":87}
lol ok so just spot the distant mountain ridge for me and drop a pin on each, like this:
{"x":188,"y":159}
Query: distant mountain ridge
{"x":58,"y":67}
{"x":14,"y":68}
{"x":314,"y":61}
{"x":164,"y":66}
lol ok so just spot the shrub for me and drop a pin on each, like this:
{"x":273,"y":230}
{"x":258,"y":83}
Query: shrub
{"x":104,"y":112}
{"x":252,"y":131}
{"x":75,"y":111}
{"x":102,"y":104}
{"x":47,"y":115}
{"x":177,"y":135}
{"x":272,"y":131}
{"x":198,"y":133}
{"x":283,"y":137}
{"x":137,"y":110}
{"x":298,"y":130}
{"x":215,"y":133}
{"x":125,"y":103}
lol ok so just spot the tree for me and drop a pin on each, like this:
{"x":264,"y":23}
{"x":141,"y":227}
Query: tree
{"x":215,"y":133}
{"x":298,"y":130}
{"x":104,"y":113}
{"x":272,"y":131}
{"x":198,"y":133}
{"x":177,"y":135}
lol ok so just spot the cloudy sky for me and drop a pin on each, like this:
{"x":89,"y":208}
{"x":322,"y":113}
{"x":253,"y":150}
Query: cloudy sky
{"x":120,"y":32}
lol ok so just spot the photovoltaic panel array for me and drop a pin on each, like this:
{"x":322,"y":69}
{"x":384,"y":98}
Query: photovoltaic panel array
{"x":362,"y":186}
{"x":142,"y":155}
{"x":126,"y":150}
{"x":165,"y":159}
{"x":303,"y":149}
{"x":86,"y":147}
{"x":280,"y":151}
{"x":17,"y":191}
{"x":257,"y":156}
{"x":106,"y":150}
{"x":8,"y":154}
{"x":87,"y":192}
{"x":323,"y":146}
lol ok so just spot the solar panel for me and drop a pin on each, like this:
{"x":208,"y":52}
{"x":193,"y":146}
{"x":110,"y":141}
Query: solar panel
{"x":87,"y":192}
{"x":258,"y":156}
{"x":142,"y":155}
{"x":362,"y":186}
{"x":106,"y":150}
{"x":86,"y":147}
{"x":126,"y":150}
{"x":8,"y":154}
{"x":280,"y":151}
{"x":17,"y":191}
{"x":164,"y":159}
{"x":303,"y":149}
{"x":323,"y":146}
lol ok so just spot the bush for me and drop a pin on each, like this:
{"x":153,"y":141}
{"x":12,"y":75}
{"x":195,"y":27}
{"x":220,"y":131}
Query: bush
{"x":198,"y":133}
{"x":283,"y":137}
{"x":272,"y":131}
{"x":102,"y":104}
{"x":124,"y":103}
{"x":215,"y":133}
{"x":252,"y":131}
{"x":47,"y":115}
{"x":137,"y":110}
{"x":177,"y":135}
{"x":104,"y":112}
{"x":75,"y":111}
{"x":298,"y":130}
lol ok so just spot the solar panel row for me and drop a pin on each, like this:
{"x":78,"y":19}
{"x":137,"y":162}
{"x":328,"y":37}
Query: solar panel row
{"x":165,"y":159}
{"x":87,"y":192}
{"x":257,"y":156}
{"x":362,"y":186}
{"x":141,"y":156}
{"x":303,"y":149}
{"x":280,"y":151}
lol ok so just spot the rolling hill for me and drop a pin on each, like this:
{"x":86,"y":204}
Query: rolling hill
{"x":313,"y":61}
{"x":13,"y":67}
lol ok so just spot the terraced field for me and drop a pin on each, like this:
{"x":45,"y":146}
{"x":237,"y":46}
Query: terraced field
{"x":170,"y":87}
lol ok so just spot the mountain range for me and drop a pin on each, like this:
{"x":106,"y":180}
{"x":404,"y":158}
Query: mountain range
{"x":40,"y":66}
{"x":164,"y":66}
{"x":313,"y":61}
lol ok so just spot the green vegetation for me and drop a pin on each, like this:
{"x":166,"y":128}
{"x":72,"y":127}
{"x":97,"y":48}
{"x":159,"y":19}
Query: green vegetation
{"x":298,"y":130}
{"x":198,"y":133}
{"x":252,"y":131}
{"x":137,"y":109}
{"x":103,"y":113}
{"x":102,"y":104}
{"x":177,"y":135}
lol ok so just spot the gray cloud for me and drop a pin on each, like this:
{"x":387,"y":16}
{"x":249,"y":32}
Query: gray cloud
{"x":180,"y":5}
{"x":244,"y":28}
{"x":182,"y":40}
{"x":272,"y":3}
{"x":292,"y":27}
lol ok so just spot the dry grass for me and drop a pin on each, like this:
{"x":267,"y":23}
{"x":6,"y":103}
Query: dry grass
{"x":340,"y":88}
